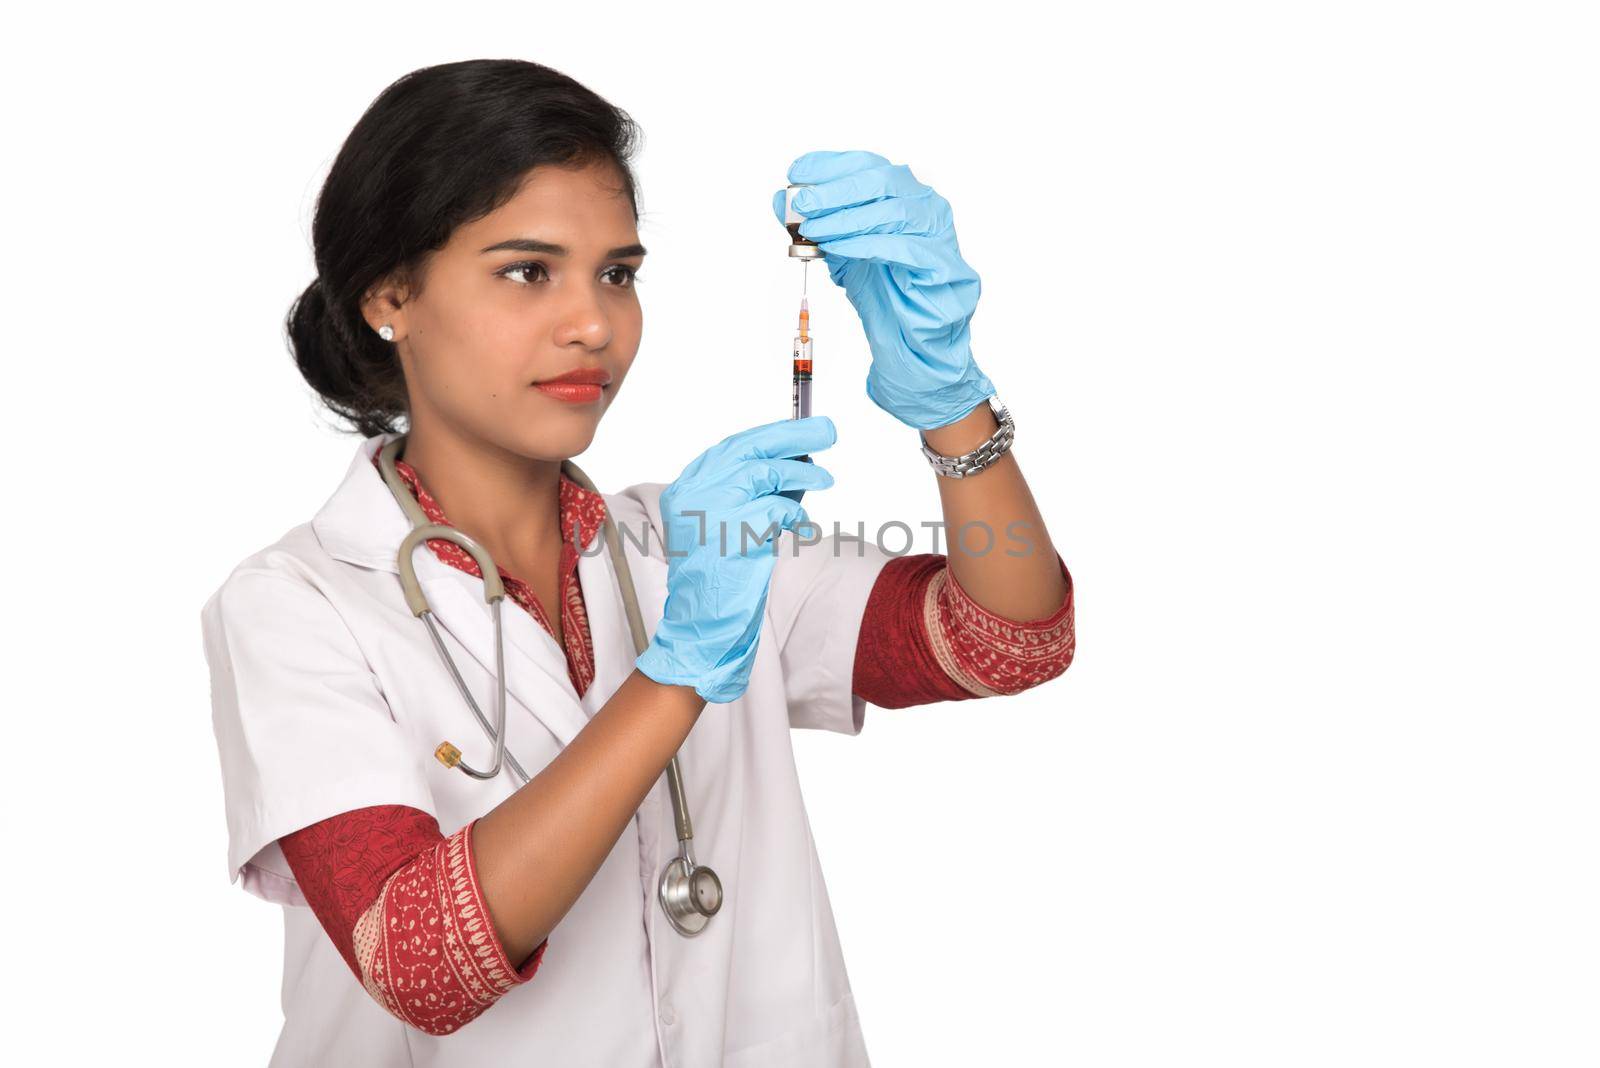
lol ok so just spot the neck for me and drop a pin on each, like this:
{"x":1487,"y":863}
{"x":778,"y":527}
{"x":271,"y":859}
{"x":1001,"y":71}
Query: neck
{"x":507,"y":502}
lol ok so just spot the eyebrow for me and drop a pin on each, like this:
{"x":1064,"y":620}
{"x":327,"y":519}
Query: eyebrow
{"x":529,"y":244}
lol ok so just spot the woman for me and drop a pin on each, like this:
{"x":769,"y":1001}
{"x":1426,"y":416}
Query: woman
{"x":475,"y":241}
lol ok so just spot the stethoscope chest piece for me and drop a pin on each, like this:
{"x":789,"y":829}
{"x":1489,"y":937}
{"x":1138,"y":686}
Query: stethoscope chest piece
{"x":690,"y":895}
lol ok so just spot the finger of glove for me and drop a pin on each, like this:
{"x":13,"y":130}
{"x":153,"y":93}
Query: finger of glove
{"x":781,"y":437}
{"x":726,"y":535}
{"x":821,"y":167}
{"x":825,"y":166}
{"x":859,"y":187}
{"x":926,"y":216}
{"x":718,"y":492}
{"x":760,"y":477}
{"x":928,"y":260}
{"x":766,"y":517}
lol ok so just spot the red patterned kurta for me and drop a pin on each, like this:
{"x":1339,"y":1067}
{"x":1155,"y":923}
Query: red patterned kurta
{"x":401,"y":900}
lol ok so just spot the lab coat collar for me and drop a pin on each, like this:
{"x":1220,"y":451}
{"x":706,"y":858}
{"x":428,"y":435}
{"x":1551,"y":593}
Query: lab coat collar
{"x":363,"y":524}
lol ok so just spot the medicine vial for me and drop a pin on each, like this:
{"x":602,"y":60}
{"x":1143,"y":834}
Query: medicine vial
{"x":801,"y":248}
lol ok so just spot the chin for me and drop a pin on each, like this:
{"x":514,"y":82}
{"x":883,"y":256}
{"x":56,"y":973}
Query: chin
{"x":549,"y":441}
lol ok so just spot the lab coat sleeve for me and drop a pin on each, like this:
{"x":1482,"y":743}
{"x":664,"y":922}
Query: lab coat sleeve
{"x":302,"y":726}
{"x":817,"y":598}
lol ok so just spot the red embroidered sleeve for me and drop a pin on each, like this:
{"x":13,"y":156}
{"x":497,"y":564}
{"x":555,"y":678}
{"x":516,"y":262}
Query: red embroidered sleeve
{"x":924,"y":639}
{"x":402,"y":904}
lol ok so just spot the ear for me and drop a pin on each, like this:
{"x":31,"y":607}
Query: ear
{"x":384,"y":303}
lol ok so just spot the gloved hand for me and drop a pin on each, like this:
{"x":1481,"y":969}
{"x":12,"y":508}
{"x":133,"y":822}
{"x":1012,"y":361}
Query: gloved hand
{"x":716,"y":592}
{"x":889,"y":241}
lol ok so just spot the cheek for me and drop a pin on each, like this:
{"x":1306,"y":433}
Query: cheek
{"x":486,"y":325}
{"x":628,"y":327}
{"x":488,"y":349}
{"x":473,"y":366}
{"x":627,"y":332}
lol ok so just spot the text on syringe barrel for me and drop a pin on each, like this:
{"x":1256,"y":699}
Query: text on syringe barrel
{"x":800,"y":397}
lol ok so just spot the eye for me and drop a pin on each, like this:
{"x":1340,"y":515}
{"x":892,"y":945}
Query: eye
{"x":626,"y":275}
{"x":630,"y":275}
{"x":522,"y":268}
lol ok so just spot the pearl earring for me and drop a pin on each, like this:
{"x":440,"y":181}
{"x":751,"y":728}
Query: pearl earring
{"x":386,"y":332}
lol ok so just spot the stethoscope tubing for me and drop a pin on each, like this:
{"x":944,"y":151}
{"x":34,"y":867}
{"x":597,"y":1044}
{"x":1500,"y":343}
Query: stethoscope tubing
{"x":684,"y":881}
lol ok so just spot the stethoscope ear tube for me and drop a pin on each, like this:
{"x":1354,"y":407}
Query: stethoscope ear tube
{"x":495,"y":594}
{"x":494,"y":590}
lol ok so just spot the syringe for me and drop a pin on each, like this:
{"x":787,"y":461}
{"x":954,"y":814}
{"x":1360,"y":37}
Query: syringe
{"x":805,"y":250}
{"x":800,"y":392}
{"x":801,"y":397}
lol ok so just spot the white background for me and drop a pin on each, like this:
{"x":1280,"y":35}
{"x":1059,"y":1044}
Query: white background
{"x":1295,"y":309}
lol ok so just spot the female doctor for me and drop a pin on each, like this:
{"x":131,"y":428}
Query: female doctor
{"x":477,"y":252}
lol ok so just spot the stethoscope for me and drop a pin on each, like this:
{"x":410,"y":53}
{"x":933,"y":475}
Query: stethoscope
{"x":690,"y":893}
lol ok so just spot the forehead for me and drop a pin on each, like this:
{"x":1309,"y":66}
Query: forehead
{"x":573,"y":205}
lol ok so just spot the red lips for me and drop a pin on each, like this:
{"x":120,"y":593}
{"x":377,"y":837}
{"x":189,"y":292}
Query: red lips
{"x":580,"y":386}
{"x":582,"y":376}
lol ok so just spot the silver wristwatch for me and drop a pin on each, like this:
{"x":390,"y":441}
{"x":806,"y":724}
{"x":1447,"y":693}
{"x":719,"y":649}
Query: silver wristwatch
{"x":971,"y":463}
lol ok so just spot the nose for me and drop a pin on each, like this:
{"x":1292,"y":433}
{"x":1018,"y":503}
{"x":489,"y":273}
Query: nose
{"x":582,"y":319}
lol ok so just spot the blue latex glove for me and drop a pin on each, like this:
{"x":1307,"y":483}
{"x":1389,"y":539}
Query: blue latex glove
{"x":716,"y":593}
{"x":890,"y":242}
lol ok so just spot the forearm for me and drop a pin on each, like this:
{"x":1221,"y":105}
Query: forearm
{"x":537,"y":850}
{"x":997,"y":500}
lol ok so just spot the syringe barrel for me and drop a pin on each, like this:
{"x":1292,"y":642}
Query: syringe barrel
{"x":800,"y":400}
{"x":801,"y":397}
{"x":801,"y":394}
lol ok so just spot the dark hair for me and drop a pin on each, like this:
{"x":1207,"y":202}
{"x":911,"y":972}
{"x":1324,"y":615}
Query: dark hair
{"x":442,"y":146}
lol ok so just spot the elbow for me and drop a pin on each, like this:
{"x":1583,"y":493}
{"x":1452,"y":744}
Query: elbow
{"x":1041,"y":672}
{"x":1058,"y":640}
{"x":1057,"y":667}
{"x":438,"y":1028}
{"x":1045,"y":653}
{"x":452,"y":1003}
{"x":444,"y":1007}
{"x":993,"y":655}
{"x":1061,"y":658}
{"x":444,"y":980}
{"x":437,"y":1002}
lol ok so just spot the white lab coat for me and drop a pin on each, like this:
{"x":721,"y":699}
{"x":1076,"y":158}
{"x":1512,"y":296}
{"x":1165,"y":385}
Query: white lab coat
{"x":328,"y":695}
